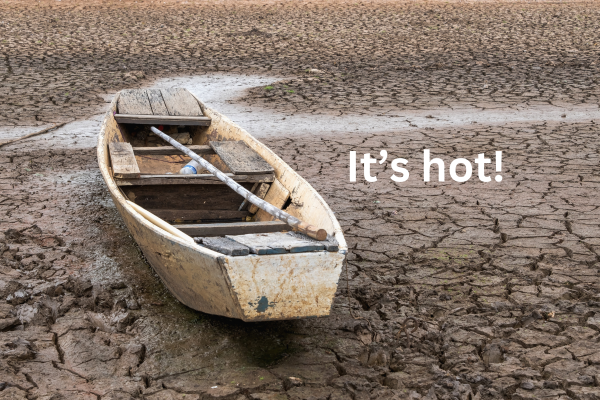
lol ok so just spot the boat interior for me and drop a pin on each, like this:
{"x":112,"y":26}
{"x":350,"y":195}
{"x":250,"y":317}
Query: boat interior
{"x":146,"y":169}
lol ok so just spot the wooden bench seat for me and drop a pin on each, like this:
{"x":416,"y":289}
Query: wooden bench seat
{"x":174,"y":106}
{"x":123,"y":161}
{"x":240,"y":158}
{"x":266,"y":243}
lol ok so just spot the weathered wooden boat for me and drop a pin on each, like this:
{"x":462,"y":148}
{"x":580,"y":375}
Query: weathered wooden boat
{"x":241,"y":262}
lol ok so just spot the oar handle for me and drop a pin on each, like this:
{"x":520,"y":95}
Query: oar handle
{"x":312,"y":231}
{"x":309,"y":230}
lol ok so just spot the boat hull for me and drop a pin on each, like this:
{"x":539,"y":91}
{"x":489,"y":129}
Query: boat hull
{"x":251,"y":288}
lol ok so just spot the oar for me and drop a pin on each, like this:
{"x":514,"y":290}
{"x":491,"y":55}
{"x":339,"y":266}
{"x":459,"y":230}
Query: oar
{"x":309,"y":230}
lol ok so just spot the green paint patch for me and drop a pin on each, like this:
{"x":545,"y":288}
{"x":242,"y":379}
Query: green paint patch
{"x":263,"y":304}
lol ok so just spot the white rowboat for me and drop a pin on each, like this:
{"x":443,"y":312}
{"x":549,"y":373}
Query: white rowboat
{"x":214,"y":252}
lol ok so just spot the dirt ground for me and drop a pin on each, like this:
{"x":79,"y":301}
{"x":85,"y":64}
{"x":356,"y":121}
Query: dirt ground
{"x":374,"y":56}
{"x":502,"y":279}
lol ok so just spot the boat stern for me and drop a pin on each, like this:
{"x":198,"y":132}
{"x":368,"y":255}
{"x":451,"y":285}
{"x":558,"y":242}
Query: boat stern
{"x":284,"y":286}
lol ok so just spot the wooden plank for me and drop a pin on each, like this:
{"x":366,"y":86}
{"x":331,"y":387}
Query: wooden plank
{"x":223,"y":245}
{"x":184,"y":197}
{"x":198,"y":179}
{"x":233,"y":228}
{"x":134,"y":101}
{"x":240,"y":158}
{"x":161,"y":120}
{"x":272,"y":243}
{"x":277,"y":196}
{"x":294,"y":243}
{"x":171,"y":151}
{"x":330,"y":244}
{"x":261,"y":192}
{"x":198,"y":215}
{"x":156,"y":102}
{"x":260,"y":243}
{"x":181,"y":102}
{"x":123,"y":160}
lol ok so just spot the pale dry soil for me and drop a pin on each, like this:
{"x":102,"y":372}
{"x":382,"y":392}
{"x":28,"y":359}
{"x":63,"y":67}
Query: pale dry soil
{"x":502,"y":279}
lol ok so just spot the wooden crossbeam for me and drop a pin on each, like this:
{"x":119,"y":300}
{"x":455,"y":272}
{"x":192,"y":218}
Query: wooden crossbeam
{"x":198,"y":179}
{"x":171,"y":151}
{"x":161,"y":120}
{"x":198,"y":215}
{"x":233,"y":228}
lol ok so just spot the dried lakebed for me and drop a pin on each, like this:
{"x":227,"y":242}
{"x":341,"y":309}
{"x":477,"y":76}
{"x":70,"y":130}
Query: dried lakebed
{"x":503,"y":279}
{"x":225,"y":92}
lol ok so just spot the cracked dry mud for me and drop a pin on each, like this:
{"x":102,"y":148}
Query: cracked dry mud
{"x":377,"y":57}
{"x":502,"y":278}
